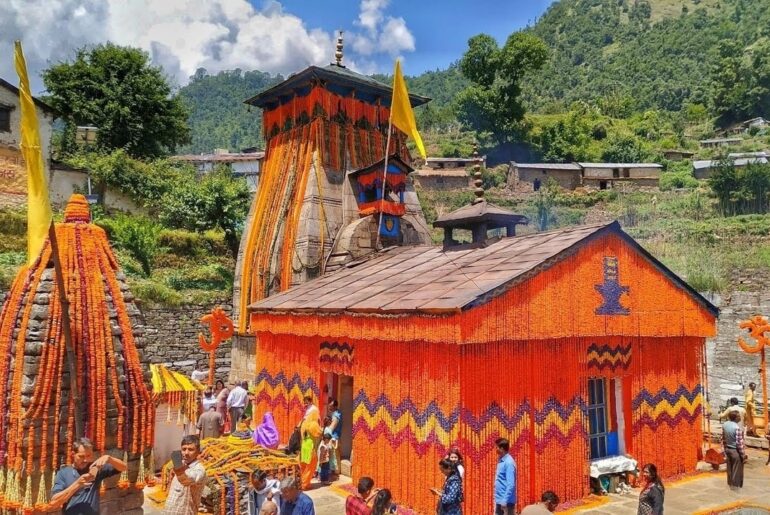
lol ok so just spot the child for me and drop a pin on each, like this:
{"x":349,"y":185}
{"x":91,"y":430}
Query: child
{"x":332,"y":446}
{"x":324,"y":450}
{"x":268,"y":508}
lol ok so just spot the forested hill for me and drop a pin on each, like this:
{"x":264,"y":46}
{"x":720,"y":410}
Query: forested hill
{"x":624,"y":56}
{"x":654,"y":53}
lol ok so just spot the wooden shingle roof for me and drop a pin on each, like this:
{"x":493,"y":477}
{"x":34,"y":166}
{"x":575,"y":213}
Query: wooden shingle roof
{"x":430,"y":279}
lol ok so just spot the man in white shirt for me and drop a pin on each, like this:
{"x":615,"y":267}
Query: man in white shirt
{"x":734,"y":406}
{"x":236,"y":403}
{"x":199,"y":374}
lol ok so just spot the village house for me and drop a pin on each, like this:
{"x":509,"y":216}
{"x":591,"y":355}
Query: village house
{"x":532,"y":176}
{"x":702,"y":169}
{"x":677,"y":155}
{"x":242,"y":164}
{"x":446,"y":173}
{"x":720,"y":142}
{"x":604,"y":176}
{"x":745,"y":126}
{"x":13,"y":172}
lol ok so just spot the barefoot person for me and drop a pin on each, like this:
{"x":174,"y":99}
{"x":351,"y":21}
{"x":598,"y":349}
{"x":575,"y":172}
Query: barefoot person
{"x":184,"y":494}
{"x":76,"y":487}
{"x":547,"y":505}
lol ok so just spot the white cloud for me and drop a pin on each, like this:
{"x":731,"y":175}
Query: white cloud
{"x":184,"y":35}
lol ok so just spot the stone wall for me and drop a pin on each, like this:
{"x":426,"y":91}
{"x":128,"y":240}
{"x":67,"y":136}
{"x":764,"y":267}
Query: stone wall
{"x":731,"y":369}
{"x":171,"y":334}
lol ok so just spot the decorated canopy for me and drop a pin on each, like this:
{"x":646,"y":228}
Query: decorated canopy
{"x":177,"y":390}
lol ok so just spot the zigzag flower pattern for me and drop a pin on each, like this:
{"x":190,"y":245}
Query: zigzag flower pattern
{"x":429,"y":427}
{"x":281,"y":391}
{"x":610,"y":357}
{"x":667,"y":408}
{"x":336,"y":357}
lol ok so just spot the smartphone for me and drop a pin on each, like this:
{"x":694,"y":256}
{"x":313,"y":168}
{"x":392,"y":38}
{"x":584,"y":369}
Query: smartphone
{"x":176,"y":459}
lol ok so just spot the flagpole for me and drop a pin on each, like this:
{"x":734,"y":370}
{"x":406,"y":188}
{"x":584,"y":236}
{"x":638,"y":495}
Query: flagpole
{"x":67,"y":330}
{"x":384,"y":175}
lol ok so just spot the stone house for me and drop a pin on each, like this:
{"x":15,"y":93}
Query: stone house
{"x":441,"y":179}
{"x":720,"y":142}
{"x":677,"y":155}
{"x":242,"y":164}
{"x":703,"y":169}
{"x":604,"y":176}
{"x":13,"y":172}
{"x":531,"y":176}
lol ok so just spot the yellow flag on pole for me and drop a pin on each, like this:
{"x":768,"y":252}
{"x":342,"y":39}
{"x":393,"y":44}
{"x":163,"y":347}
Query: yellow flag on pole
{"x":38,"y":204}
{"x":401,"y":114}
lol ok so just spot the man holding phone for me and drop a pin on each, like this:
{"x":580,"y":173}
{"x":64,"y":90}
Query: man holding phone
{"x":184,"y":494}
{"x":76,"y":487}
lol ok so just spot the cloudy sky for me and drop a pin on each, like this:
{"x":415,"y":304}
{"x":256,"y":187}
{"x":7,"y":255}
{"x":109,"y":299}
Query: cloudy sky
{"x":268,"y":35}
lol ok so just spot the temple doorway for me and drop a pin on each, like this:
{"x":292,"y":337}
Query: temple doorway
{"x":340,"y":387}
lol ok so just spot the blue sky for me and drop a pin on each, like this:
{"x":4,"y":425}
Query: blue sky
{"x":441,"y":28}
{"x":275,"y":36}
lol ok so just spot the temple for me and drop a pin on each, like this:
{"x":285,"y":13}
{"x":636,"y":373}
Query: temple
{"x":38,"y":408}
{"x":321,"y":201}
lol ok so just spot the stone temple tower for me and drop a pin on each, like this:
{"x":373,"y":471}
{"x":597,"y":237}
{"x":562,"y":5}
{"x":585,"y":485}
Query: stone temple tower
{"x":321,"y":200}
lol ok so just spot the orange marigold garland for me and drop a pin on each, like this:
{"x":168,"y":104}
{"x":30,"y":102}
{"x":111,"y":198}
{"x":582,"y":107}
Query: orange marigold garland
{"x":29,"y":412}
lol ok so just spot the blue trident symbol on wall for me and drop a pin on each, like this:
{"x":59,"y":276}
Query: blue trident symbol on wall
{"x":611,"y":290}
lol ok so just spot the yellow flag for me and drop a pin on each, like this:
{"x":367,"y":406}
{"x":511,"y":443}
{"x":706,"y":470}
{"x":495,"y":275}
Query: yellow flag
{"x":401,"y":113}
{"x":38,"y":205}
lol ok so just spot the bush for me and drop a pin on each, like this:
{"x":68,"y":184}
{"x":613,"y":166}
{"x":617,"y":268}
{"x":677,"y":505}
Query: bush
{"x":14,"y":222}
{"x":206,"y":277}
{"x":678,"y":179}
{"x":154,"y":292}
{"x":10,"y":262}
{"x":185,"y":243}
{"x":136,"y":235}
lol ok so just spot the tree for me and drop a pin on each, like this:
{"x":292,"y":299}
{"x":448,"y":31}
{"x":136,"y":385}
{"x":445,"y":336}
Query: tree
{"x":624,"y":149}
{"x":117,"y":90}
{"x":740,"y":82}
{"x":492,"y":102}
{"x":217,"y":201}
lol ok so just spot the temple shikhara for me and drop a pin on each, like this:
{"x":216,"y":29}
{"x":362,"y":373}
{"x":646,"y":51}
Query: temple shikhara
{"x":37,"y":408}
{"x":575,"y":344}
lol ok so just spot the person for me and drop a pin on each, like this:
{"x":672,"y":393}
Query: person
{"x":311,"y":410}
{"x":199,"y":374}
{"x":266,"y":433}
{"x":548,"y":503}
{"x":734,"y":406}
{"x":263,"y":489}
{"x":751,"y":410}
{"x":455,"y":457}
{"x":382,"y":504}
{"x":210,"y":424}
{"x":308,"y":455}
{"x":293,"y":500}
{"x":451,"y":496}
{"x":333,"y":409}
{"x":209,"y":399}
{"x":735,"y":451}
{"x":324,"y":451}
{"x":269,"y":508}
{"x":359,"y":504}
{"x":653,"y":491}
{"x":221,"y":392}
{"x":332,"y":446}
{"x":236,"y":402}
{"x":242,"y":429}
{"x":505,"y":480}
{"x":76,"y":487}
{"x":184,"y":494}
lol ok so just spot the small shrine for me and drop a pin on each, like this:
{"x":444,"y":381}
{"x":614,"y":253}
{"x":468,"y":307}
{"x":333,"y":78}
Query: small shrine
{"x":38,"y":408}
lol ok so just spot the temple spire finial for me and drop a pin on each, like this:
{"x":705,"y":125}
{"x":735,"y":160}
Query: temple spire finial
{"x":477,"y":182}
{"x":338,"y":53}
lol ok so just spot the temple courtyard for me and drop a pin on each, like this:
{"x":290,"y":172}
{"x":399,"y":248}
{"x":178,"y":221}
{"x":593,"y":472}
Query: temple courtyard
{"x":702,"y":494}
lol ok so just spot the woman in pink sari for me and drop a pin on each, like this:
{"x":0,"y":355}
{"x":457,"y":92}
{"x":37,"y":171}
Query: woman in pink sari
{"x":266,"y":433}
{"x":222,"y":392}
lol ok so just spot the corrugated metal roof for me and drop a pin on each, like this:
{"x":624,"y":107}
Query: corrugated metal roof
{"x":548,"y":166}
{"x":705,"y":164}
{"x":430,"y":279}
{"x":620,"y":165}
{"x":220,"y":158}
{"x":441,"y":172}
{"x":434,"y":280}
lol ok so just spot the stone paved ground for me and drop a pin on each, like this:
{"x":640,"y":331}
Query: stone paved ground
{"x":694,"y":495}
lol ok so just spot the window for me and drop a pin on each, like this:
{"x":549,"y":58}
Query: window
{"x":597,"y":418}
{"x":615,"y":173}
{"x":5,"y":119}
{"x":602,"y":185}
